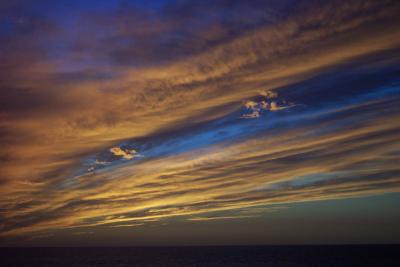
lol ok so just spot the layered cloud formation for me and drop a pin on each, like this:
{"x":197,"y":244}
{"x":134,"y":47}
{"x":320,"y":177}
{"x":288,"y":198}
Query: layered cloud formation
{"x":122,"y":114}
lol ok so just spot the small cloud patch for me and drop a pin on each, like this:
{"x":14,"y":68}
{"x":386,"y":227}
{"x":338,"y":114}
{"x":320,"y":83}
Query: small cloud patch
{"x":112,"y":155}
{"x":269,"y":102}
{"x":127,"y":154}
{"x":269,"y":94}
{"x":253,"y":115}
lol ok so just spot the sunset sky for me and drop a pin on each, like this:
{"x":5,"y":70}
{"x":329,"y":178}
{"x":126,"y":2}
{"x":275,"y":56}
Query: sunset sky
{"x":207,"y":122}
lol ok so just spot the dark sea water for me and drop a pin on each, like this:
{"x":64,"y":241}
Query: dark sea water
{"x":335,"y":256}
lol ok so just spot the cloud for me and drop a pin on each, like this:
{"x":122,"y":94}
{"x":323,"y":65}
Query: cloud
{"x":179,"y":82}
{"x":274,"y":106}
{"x":307,"y":163}
{"x":265,"y":104}
{"x":124,"y":153}
{"x":253,"y":115}
{"x":218,"y":218}
{"x":269,"y":94}
{"x":127,"y":225}
{"x":250,"y":104}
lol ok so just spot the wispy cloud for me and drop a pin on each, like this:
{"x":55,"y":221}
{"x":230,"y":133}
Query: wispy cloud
{"x":125,"y":153}
{"x":218,"y":218}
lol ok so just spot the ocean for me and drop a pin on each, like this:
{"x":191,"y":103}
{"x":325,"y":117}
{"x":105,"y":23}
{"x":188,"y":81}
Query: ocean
{"x":333,"y":256}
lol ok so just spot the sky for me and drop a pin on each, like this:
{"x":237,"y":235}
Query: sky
{"x":215,"y":122}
